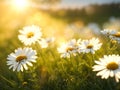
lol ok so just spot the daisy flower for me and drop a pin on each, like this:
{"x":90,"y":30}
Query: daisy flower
{"x":108,"y":32}
{"x":115,"y":36}
{"x":68,"y":48}
{"x":108,"y":66}
{"x":30,"y":34}
{"x":91,"y":45}
{"x":45,"y":42}
{"x":21,"y":58}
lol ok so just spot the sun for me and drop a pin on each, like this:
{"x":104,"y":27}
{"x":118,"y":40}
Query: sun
{"x":20,"y":4}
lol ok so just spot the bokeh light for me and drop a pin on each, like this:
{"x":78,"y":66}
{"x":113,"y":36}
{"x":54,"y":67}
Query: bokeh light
{"x":20,"y":4}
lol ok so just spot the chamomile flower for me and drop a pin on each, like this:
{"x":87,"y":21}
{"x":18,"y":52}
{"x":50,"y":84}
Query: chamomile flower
{"x":44,"y":42}
{"x":108,"y":66}
{"x":74,"y":44}
{"x":30,"y":34}
{"x":21,"y":58}
{"x":115,"y":36}
{"x":68,"y":48}
{"x":91,"y":46}
{"x":108,"y":32}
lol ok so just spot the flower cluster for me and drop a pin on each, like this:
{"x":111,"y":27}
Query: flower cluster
{"x":112,"y":34}
{"x":79,"y":46}
{"x":109,"y":65}
{"x":69,"y":48}
{"x":23,"y":57}
{"x":44,"y":42}
{"x":32,"y":34}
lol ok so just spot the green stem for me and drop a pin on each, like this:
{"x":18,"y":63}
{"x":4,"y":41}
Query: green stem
{"x":111,"y":47}
{"x":108,"y":82}
{"x":91,"y":60}
{"x":7,"y":80}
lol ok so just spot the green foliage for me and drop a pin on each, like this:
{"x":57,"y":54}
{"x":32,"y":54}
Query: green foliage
{"x":54,"y":73}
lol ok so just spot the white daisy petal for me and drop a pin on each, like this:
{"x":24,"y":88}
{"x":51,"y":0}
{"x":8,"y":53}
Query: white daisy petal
{"x":30,"y":64}
{"x":101,"y":72}
{"x":15,"y":66}
{"x":98,"y":68}
{"x":25,"y":66}
{"x":10,"y":66}
{"x":116,"y":78}
{"x":19,"y":67}
{"x":106,"y":74}
{"x":111,"y":73}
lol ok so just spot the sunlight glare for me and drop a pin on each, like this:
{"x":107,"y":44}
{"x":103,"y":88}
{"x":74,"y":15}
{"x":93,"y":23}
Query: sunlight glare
{"x":20,"y":4}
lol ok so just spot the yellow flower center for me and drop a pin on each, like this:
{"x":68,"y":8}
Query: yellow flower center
{"x":30,"y":34}
{"x":117,"y":34}
{"x":69,"y":49}
{"x":89,"y":46}
{"x":20,"y":58}
{"x":112,"y":66}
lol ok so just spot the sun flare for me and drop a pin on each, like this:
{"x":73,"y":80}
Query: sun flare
{"x":20,"y":4}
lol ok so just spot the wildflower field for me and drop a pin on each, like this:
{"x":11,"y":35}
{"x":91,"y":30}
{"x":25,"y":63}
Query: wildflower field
{"x":59,"y":50}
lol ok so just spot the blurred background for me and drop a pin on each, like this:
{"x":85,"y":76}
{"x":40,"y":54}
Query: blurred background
{"x":66,"y":18}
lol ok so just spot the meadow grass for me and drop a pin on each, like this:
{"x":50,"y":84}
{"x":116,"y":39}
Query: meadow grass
{"x":54,"y":73}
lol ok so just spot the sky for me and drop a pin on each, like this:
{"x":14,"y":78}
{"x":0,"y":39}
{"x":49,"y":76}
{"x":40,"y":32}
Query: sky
{"x":73,"y":3}
{"x":80,"y":3}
